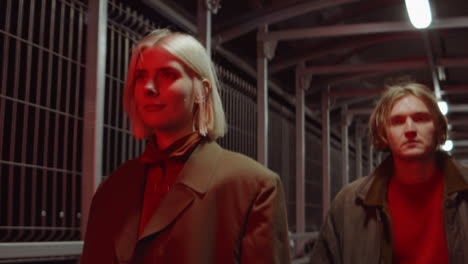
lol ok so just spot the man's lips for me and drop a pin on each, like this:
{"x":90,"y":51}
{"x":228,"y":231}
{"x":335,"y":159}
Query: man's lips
{"x":153,"y":107}
{"x":411,"y":142}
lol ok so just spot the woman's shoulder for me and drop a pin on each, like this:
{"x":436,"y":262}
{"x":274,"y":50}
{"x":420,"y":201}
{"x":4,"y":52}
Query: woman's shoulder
{"x":241,"y":165}
{"x":123,"y":176}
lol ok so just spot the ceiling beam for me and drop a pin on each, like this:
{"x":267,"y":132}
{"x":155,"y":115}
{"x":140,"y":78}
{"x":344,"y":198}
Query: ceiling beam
{"x":172,"y":15}
{"x":359,"y":29}
{"x":276,"y":16}
{"x":407,"y":64}
{"x":361,"y":43}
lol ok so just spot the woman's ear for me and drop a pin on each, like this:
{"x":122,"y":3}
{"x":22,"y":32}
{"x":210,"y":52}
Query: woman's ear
{"x":206,"y":87}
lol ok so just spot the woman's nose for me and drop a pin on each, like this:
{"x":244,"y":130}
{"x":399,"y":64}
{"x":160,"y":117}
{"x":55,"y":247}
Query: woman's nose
{"x":150,"y":89}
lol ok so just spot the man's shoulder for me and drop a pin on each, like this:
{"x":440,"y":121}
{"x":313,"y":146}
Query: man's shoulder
{"x":352,"y":191}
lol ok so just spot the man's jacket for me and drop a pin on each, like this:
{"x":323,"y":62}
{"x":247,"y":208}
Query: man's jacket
{"x":358,"y":230}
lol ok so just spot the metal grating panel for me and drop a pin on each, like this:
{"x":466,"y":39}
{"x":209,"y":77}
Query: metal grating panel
{"x":41,"y":54}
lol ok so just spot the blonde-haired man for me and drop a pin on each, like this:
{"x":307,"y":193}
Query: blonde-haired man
{"x":414,"y":207}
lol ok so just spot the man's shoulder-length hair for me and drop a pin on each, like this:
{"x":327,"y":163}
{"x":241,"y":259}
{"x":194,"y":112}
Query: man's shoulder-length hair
{"x":209,"y":117}
{"x":379,"y":117}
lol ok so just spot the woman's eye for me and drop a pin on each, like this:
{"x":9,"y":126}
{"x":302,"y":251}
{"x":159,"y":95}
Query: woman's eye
{"x":139,"y":75}
{"x":168,"y":74}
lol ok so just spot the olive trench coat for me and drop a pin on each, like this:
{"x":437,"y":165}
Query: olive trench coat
{"x":223,"y":208}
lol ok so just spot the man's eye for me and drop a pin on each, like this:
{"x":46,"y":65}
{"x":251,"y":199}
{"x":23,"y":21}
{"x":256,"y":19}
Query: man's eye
{"x":397,"y":121}
{"x":421,"y":118}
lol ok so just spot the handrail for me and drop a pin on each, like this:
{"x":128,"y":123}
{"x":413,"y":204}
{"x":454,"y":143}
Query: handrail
{"x":14,"y":250}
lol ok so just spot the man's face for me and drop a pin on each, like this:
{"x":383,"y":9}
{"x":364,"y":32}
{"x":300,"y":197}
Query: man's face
{"x":410,"y":129}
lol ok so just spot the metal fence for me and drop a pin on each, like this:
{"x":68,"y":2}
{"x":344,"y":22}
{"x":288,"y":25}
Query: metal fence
{"x":42,"y":66}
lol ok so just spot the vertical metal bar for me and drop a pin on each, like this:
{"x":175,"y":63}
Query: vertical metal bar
{"x":6,"y":48}
{"x":117,"y":106}
{"x":24,"y":140}
{"x":94,"y":98}
{"x":108,"y":98}
{"x":204,"y":25}
{"x":44,"y":209}
{"x":325,"y":153}
{"x":125,"y":136}
{"x":432,"y":64}
{"x":40,"y":74}
{"x":371,"y":157}
{"x":358,"y":143}
{"x":57,"y":137}
{"x":262,"y":100}
{"x":76,"y":215}
{"x":64,"y":212}
{"x":344,"y":145}
{"x":16,"y":77}
{"x":300,"y":153}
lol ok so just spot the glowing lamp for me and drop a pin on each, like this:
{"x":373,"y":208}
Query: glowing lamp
{"x":419,"y":12}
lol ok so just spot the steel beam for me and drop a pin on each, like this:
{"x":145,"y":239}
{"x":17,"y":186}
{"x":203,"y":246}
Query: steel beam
{"x":344,"y":146}
{"x":432,"y":64}
{"x":358,"y":144}
{"x":204,"y":25}
{"x":277,"y":16}
{"x":325,"y":154}
{"x":262,"y":100}
{"x":170,"y":14}
{"x":352,"y":44}
{"x":94,"y":105}
{"x":360,"y":29}
{"x":300,"y":153}
{"x":408,"y":64}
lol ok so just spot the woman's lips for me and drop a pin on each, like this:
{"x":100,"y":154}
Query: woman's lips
{"x":154,"y":107}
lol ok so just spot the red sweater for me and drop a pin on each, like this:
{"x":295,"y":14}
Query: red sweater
{"x":417,"y":221}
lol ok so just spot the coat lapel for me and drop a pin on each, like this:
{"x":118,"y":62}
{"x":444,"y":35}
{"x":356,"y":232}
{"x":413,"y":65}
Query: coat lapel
{"x":194,"y":179}
{"x":127,"y":236}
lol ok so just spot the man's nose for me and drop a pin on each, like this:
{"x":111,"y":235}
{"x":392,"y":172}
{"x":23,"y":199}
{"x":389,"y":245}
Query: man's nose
{"x":150,"y":89}
{"x":410,"y":130}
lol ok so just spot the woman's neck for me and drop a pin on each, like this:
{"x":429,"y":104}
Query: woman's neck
{"x":165,"y":138}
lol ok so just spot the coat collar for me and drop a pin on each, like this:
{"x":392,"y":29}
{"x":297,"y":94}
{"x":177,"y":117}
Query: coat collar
{"x":194,"y":179}
{"x":373,"y":190}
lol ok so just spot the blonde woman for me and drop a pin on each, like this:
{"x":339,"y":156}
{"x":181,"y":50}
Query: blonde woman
{"x":185,"y":199}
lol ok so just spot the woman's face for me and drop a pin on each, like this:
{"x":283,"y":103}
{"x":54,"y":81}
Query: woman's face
{"x":164,"y":92}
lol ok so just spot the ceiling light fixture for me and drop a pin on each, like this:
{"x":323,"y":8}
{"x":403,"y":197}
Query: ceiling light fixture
{"x":419,"y":12}
{"x":448,"y":145}
{"x":443,"y":106}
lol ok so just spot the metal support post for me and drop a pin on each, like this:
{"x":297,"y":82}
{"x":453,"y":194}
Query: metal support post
{"x":344,"y":145}
{"x":262,"y":99}
{"x":325,"y":153}
{"x":358,"y":144}
{"x":94,"y":104}
{"x":300,"y":152}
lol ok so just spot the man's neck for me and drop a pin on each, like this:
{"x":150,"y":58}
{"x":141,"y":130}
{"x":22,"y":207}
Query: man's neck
{"x":414,"y":171}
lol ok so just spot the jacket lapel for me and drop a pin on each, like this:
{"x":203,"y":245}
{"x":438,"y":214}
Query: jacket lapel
{"x":127,"y":236}
{"x":195,"y":178}
{"x":173,"y":204}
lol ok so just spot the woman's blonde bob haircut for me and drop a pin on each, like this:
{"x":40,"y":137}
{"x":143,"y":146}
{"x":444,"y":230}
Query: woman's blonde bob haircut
{"x":209,"y":119}
{"x":380,"y":117}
